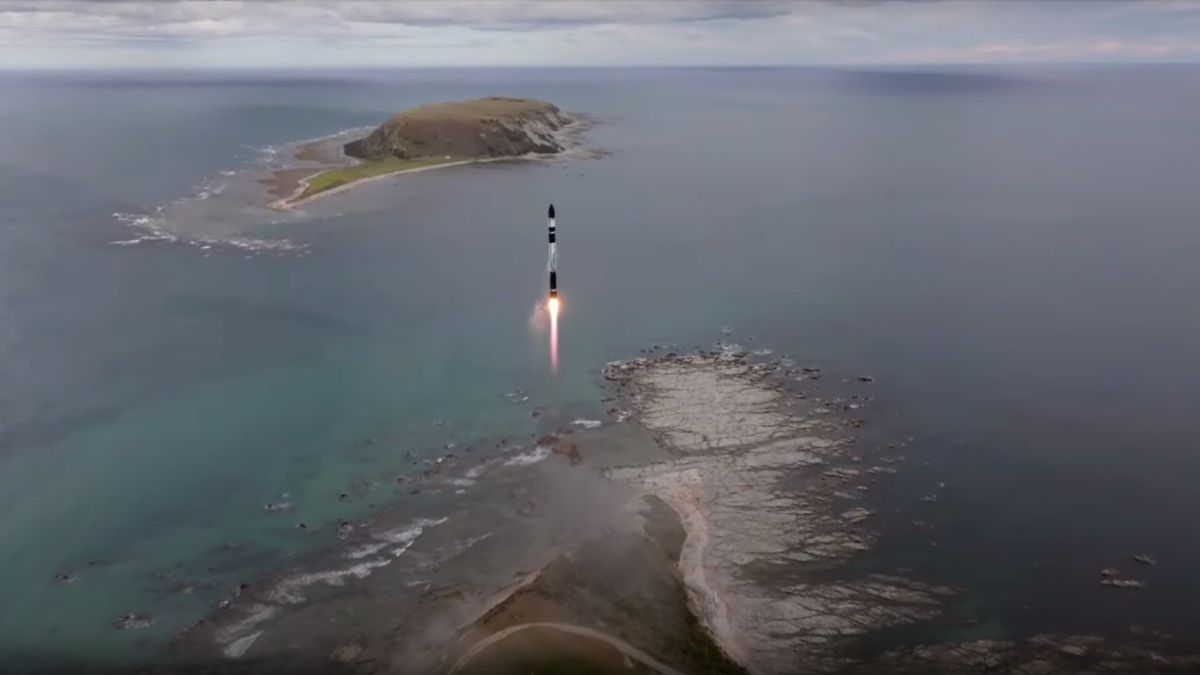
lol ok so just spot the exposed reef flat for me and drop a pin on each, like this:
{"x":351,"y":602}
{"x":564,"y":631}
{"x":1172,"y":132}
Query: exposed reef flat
{"x":753,"y":479}
{"x":710,"y":529}
{"x":1039,"y":655}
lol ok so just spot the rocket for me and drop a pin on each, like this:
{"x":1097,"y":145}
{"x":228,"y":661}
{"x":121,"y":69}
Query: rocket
{"x":553,"y":265}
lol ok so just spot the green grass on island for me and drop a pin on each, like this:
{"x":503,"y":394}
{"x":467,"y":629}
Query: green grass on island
{"x":332,"y":178}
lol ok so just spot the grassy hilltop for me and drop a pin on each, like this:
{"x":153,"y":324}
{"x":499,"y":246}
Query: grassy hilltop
{"x":445,"y":133}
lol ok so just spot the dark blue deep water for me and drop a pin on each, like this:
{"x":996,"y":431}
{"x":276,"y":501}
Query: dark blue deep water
{"x":1011,"y":253}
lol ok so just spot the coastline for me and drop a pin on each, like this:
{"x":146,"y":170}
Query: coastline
{"x":294,"y":201}
{"x":710,"y":526}
{"x":569,"y":136}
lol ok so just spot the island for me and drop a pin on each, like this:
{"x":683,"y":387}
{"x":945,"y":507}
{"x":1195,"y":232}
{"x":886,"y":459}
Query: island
{"x":426,"y":137}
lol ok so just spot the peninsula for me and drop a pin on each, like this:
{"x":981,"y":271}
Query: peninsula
{"x":426,"y":137}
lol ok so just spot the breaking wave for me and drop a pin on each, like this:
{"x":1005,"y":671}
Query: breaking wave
{"x":149,"y":229}
{"x":526,"y":458}
{"x":383,"y":548}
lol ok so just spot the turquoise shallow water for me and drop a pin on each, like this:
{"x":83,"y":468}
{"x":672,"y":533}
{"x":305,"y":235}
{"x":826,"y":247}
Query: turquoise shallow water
{"x":1008,"y":252}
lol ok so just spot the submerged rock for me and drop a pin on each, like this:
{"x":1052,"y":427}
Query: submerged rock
{"x":133,"y":621}
{"x":1040,"y":655}
{"x":1124,"y":583}
{"x":857,"y":515}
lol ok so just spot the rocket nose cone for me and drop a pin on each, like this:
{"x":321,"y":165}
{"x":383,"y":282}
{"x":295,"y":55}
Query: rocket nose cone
{"x":551,"y":213}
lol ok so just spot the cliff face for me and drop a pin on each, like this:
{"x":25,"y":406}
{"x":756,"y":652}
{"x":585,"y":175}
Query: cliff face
{"x":486,"y":127}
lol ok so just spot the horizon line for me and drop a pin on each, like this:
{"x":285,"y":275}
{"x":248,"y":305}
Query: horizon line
{"x":726,"y":66}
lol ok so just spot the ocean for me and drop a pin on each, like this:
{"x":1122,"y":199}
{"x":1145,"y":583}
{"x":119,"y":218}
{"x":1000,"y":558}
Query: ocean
{"x":1008,"y":252}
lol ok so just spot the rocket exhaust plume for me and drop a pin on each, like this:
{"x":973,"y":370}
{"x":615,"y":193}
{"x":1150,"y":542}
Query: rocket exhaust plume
{"x":554,"y":335}
{"x":552,"y":304}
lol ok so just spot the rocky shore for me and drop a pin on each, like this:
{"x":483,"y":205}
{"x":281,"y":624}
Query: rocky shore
{"x":495,"y":126}
{"x":761,"y":481}
{"x":710,"y":526}
{"x":427,"y":137}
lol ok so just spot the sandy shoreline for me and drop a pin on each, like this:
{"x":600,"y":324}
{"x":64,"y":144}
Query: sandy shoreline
{"x":707,"y":601}
{"x":625,"y":648}
{"x":294,"y":201}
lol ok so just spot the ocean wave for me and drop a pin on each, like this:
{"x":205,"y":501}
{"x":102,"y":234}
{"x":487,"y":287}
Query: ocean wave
{"x":290,"y":590}
{"x":587,"y":424}
{"x":477,"y":471}
{"x":526,"y":458}
{"x":150,"y":231}
{"x":336,"y":134}
{"x":732,"y":350}
{"x":267,"y":155}
{"x":238,"y":636}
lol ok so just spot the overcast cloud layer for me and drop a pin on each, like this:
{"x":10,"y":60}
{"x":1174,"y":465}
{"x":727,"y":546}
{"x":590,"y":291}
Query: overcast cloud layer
{"x":225,"y":33}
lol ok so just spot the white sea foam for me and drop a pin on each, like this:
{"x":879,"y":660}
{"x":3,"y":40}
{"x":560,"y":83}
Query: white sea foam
{"x":402,"y":538}
{"x":526,"y":458}
{"x":237,"y":637}
{"x":149,"y":228}
{"x":587,"y":424}
{"x":238,"y":647}
{"x":732,"y":350}
{"x":477,"y":471}
{"x":266,"y":153}
{"x":290,"y":590}
{"x":367,"y":550}
{"x":209,"y":187}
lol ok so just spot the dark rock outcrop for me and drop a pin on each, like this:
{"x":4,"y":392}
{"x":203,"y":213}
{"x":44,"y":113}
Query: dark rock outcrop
{"x":486,"y":127}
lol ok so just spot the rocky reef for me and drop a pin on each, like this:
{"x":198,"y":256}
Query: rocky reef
{"x":1039,"y":655}
{"x":763,"y":487}
{"x":487,"y":127}
{"x":764,"y":482}
{"x":711,"y":527}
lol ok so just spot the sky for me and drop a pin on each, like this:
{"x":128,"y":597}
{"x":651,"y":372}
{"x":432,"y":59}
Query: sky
{"x":197,"y":34}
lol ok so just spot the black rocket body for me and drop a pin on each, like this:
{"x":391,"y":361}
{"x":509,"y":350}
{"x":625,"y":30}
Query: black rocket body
{"x":553,"y":264}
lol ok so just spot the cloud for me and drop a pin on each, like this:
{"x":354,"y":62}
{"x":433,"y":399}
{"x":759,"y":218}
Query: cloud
{"x":1086,"y":50}
{"x":302,"y":33}
{"x":201,"y":19}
